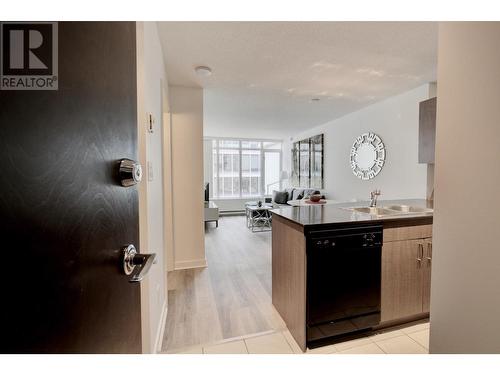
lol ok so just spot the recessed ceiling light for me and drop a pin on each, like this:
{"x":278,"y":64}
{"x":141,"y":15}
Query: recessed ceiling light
{"x":203,"y":71}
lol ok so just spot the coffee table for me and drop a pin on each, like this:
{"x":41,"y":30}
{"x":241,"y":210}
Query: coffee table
{"x":258,"y":218}
{"x":302,"y":202}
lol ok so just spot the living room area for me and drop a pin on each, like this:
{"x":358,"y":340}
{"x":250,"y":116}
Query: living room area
{"x":251,"y":176}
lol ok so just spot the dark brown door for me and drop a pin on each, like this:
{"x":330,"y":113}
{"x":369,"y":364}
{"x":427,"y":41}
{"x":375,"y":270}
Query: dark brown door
{"x":64,"y":217}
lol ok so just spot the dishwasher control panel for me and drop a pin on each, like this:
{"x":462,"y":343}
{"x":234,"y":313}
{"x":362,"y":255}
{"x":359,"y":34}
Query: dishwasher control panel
{"x":322,"y":244}
{"x":350,"y":237}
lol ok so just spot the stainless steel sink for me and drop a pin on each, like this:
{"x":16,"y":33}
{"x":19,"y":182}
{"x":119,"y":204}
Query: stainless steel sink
{"x":409,"y":209}
{"x":391,"y":210}
{"x":379,"y":211}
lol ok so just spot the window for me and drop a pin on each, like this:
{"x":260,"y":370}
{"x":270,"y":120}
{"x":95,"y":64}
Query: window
{"x":229,"y":172}
{"x":250,"y":172}
{"x":245,"y":168}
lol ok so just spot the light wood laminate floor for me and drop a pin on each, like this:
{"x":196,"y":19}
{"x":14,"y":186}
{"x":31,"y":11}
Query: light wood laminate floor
{"x":231,"y":297}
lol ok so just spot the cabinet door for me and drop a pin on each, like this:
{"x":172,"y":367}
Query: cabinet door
{"x":401,"y":279}
{"x":426,"y":275}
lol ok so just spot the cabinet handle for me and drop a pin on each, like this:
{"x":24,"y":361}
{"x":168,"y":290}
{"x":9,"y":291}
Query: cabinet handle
{"x":429,"y":253}
{"x":420,"y":254}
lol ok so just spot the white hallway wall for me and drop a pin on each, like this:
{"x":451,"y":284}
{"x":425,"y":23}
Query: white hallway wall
{"x":152,"y":87}
{"x":465,"y":303}
{"x":395,"y":120}
{"x":187,"y":176}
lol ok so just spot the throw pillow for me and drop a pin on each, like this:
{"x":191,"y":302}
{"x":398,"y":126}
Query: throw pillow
{"x":298,"y":194}
{"x":280,"y":197}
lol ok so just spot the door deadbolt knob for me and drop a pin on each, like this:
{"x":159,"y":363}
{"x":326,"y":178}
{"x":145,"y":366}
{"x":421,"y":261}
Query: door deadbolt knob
{"x":130,"y":172}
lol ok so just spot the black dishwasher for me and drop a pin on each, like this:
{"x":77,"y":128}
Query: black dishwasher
{"x":343,"y":282}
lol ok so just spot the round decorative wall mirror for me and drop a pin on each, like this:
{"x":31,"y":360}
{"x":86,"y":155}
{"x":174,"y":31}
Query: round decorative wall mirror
{"x":367,"y":156}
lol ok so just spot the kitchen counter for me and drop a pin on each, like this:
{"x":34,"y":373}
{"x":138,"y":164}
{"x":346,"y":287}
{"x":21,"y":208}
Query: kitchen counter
{"x":315,"y":214}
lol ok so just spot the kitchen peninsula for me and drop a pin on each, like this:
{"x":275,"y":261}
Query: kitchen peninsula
{"x":345,"y":270}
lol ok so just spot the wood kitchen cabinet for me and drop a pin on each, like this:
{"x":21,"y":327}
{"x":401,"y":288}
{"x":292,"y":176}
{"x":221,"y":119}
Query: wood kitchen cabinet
{"x":427,"y":131}
{"x":401,"y":280}
{"x":406,"y":272}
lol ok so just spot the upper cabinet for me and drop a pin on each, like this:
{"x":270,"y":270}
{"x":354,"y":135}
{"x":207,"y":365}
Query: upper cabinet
{"x":427,"y":131}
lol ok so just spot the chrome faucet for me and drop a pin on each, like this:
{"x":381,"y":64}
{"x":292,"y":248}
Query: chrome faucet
{"x":373,"y":197}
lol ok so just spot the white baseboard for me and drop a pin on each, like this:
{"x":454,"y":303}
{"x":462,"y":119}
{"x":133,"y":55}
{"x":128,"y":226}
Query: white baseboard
{"x":185,"y":264}
{"x":160,"y":331}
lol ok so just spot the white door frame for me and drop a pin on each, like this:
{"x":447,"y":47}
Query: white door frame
{"x":167,"y":190}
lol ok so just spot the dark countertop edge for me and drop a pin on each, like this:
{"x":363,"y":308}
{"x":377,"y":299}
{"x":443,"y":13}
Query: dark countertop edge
{"x":393,"y":222}
{"x":386,"y":222}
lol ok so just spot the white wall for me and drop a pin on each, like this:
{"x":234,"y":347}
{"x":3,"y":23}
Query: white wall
{"x":187,"y":176}
{"x":465,"y":302}
{"x":286,"y":161}
{"x":151,"y":93}
{"x":395,"y":120}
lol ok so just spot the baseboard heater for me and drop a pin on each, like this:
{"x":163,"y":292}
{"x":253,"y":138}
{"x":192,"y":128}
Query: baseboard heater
{"x":232,"y":213}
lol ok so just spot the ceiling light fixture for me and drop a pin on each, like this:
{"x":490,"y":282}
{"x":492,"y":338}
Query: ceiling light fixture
{"x":203,"y":71}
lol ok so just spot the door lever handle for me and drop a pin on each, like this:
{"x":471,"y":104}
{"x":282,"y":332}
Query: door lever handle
{"x":143,"y":263}
{"x":136,"y":264}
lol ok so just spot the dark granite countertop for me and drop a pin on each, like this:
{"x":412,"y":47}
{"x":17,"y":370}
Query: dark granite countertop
{"x":315,"y":214}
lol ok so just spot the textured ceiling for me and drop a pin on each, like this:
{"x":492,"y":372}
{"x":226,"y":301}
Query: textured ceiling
{"x":266,"y":73}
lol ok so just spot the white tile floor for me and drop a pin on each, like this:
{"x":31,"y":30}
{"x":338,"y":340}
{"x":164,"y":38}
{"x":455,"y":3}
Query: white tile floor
{"x":408,"y":340}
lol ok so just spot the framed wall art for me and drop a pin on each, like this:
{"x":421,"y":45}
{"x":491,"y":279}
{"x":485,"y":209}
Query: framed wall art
{"x":307,"y":162}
